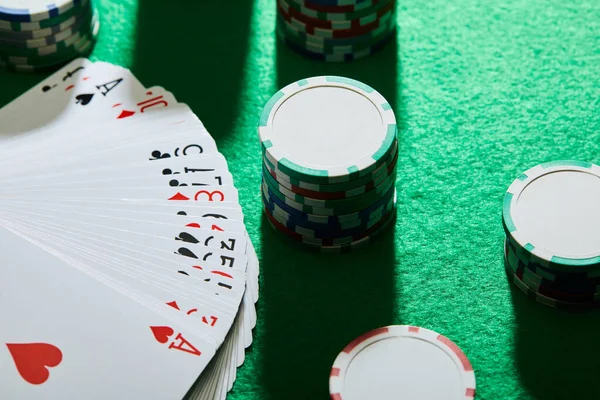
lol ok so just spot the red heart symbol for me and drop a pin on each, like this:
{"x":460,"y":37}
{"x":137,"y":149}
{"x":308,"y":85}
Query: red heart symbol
{"x":125,"y":114}
{"x":162,"y":333}
{"x":33,"y":360}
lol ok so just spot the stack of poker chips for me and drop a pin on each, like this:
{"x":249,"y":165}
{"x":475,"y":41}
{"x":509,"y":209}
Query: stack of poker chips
{"x":551,"y":216}
{"x":46,"y":34}
{"x":336,"y":30}
{"x":330,"y":150}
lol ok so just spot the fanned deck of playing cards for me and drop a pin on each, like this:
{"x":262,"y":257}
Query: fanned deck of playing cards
{"x":126,"y":272}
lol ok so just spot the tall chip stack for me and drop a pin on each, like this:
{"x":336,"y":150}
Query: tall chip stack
{"x":330,"y":149}
{"x":551,"y":216}
{"x":46,"y":34}
{"x":336,"y":30}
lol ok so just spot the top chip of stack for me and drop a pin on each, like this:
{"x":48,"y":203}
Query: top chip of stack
{"x":41,"y":35}
{"x":330,"y":150}
{"x":551,"y":216}
{"x":336,"y":30}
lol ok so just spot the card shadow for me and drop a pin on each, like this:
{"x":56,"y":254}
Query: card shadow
{"x":11,"y":88}
{"x":314,"y":304}
{"x":556,"y":351}
{"x":198,"y":52}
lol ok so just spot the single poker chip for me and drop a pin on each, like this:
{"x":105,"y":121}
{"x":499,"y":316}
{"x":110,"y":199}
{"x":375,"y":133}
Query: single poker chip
{"x":81,"y":26}
{"x":337,"y":8}
{"x":335,"y":20}
{"x":402,"y":362}
{"x":385,"y":168}
{"x":552,"y":212}
{"x":338,"y":57}
{"x":34,"y":10}
{"x":327,"y":129}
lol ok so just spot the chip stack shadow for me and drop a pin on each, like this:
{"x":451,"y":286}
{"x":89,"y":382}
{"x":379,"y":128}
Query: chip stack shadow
{"x":330,"y":149}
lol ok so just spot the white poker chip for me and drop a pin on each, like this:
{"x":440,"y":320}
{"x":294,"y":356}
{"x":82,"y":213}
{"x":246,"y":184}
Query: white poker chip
{"x":553,"y":211}
{"x":402,"y":362}
{"x":327,"y":129}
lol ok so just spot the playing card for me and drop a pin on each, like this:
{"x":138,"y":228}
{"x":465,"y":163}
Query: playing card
{"x":125,"y":190}
{"x":62,"y":346}
{"x":80,"y":91}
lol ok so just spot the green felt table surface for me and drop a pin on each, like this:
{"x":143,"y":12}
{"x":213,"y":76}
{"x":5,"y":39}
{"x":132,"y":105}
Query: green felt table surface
{"x":482,"y":91}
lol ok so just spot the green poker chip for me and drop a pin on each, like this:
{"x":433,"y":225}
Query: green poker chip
{"x":345,"y":194}
{"x":79,"y":48}
{"x":353,"y":203}
{"x":357,"y":183}
{"x":49,"y":22}
{"x":56,"y":49}
{"x":82,"y":26}
{"x":43,"y":32}
{"x":352,"y":206}
{"x":309,"y":229}
{"x":515,"y":273}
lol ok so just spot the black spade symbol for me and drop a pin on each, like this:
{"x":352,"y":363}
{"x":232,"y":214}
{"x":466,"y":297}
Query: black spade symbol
{"x":84,"y":99}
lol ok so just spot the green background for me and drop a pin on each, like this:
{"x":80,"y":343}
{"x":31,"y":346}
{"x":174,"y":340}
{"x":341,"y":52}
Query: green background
{"x":482,"y":91}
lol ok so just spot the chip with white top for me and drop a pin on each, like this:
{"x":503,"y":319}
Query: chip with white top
{"x":402,"y":362}
{"x":327,"y":129}
{"x":553,"y":212}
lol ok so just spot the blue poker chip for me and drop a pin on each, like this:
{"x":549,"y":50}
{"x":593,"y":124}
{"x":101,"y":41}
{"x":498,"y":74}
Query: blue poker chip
{"x":36,"y":10}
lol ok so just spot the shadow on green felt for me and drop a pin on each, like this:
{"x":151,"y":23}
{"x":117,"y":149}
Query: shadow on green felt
{"x":197,"y":50}
{"x":314,"y":304}
{"x":571,"y":369}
